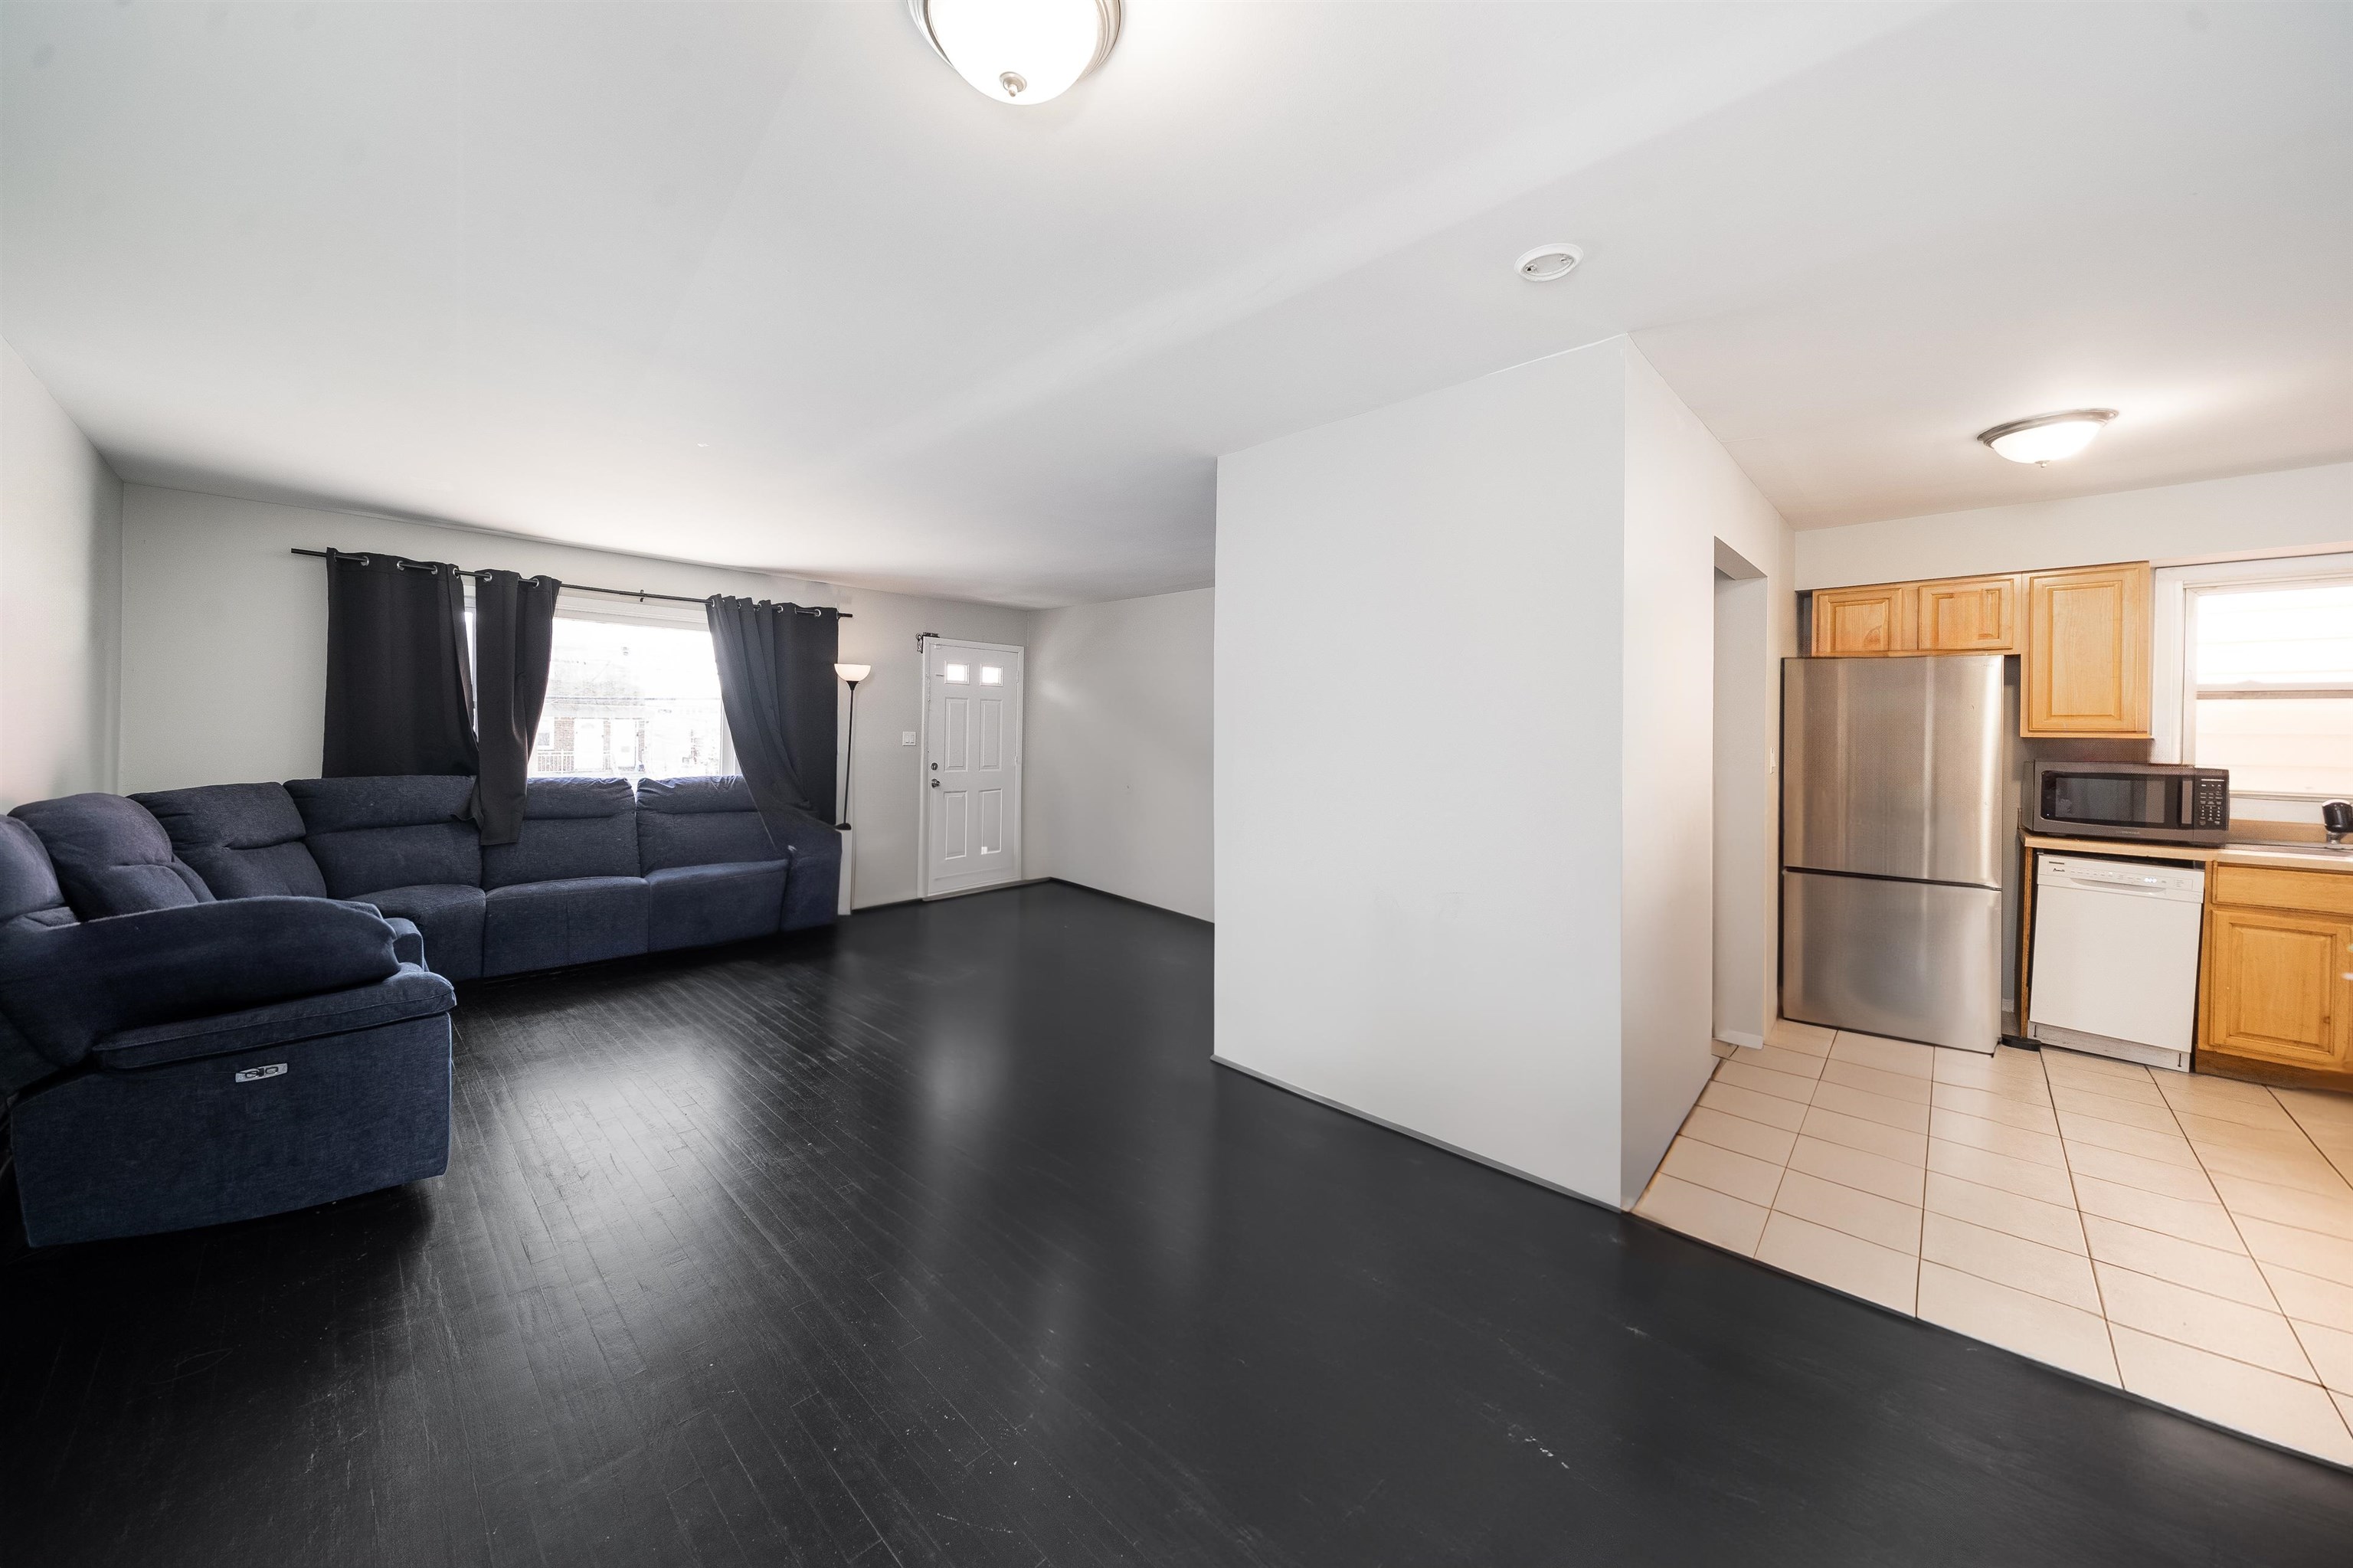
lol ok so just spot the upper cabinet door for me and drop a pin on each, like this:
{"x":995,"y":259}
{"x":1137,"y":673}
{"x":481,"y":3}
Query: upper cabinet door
{"x":1969,"y":615}
{"x":2086,"y":655}
{"x":1862,"y":620}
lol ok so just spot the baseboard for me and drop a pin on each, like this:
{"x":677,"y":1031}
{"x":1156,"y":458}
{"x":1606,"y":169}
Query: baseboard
{"x":992,"y":888}
{"x":1124,"y":898}
{"x":1741,"y":1037}
{"x":1417,"y":1136}
{"x":2085,"y":1041}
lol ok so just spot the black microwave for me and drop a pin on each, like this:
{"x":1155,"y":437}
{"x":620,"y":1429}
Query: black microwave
{"x":2162,"y":800}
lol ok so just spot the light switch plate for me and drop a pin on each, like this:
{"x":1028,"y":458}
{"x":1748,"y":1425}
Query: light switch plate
{"x":906,"y":738}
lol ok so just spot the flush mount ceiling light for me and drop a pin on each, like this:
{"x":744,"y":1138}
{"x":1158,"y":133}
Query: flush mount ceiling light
{"x":2047,"y":437}
{"x":1019,"y":51}
{"x":1547,"y":263}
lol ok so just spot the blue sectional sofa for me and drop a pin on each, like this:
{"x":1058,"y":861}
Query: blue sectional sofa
{"x":233,"y":1001}
{"x":171,"y":1059}
{"x":602,"y":870}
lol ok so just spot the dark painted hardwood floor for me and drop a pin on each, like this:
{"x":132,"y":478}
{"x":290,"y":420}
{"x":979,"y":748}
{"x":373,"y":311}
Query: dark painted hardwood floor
{"x":937,"y":1238}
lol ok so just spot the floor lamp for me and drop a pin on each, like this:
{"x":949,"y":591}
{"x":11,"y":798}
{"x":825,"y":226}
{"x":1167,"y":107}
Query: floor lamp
{"x":853,"y":673}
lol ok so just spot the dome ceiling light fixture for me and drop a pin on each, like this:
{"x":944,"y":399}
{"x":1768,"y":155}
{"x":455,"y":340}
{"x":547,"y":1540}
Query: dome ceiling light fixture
{"x":1547,"y":263}
{"x":2046,"y":438}
{"x":1019,"y":51}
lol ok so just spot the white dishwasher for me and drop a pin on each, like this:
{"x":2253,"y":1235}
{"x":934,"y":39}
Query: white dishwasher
{"x":2116,"y":958}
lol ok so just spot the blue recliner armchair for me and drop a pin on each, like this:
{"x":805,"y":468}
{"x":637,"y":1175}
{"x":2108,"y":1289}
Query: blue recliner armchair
{"x":171,"y":1061}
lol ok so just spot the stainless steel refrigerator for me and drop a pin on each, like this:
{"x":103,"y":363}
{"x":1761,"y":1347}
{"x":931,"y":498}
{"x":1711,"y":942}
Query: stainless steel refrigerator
{"x":1895,"y":840}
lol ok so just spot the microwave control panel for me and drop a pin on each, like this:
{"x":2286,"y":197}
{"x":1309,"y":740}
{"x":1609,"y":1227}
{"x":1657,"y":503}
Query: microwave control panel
{"x":2209,"y":802}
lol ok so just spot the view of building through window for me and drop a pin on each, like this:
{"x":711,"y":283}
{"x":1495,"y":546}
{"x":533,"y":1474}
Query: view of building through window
{"x":631,"y":699}
{"x":2274,"y":667}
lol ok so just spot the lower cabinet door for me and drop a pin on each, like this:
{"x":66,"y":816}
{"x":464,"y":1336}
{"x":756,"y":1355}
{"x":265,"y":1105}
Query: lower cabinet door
{"x":2279,"y":988}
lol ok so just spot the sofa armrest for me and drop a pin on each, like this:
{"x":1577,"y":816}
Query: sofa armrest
{"x":800,"y":837}
{"x":66,"y":986}
{"x":407,"y":942}
{"x":813,"y":880}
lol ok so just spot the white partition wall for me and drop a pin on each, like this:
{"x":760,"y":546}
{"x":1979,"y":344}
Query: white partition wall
{"x":1684,"y":496}
{"x":1464,"y":674}
{"x":1118,"y":769}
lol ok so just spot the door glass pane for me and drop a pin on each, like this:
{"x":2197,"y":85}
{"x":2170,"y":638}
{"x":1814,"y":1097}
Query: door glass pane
{"x":991,"y":676}
{"x":2119,"y":800}
{"x":960,"y":675}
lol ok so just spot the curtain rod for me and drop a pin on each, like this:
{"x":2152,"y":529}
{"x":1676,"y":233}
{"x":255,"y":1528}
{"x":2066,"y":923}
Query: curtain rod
{"x":639,"y":594}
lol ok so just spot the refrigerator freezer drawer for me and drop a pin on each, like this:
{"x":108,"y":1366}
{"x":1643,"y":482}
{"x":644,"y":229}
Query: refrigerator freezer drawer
{"x":1911,"y":960}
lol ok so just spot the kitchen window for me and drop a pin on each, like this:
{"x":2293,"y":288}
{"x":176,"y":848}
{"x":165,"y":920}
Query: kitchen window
{"x":632,"y":693}
{"x":2266,"y":677}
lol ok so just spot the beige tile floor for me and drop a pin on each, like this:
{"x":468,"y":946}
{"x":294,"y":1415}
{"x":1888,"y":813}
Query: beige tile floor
{"x":2187,"y":1238}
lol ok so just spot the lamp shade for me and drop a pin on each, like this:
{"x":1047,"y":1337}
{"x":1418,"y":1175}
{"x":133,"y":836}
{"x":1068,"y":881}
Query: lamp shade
{"x":2047,"y":437}
{"x":1019,"y":51}
{"x":853,"y":673}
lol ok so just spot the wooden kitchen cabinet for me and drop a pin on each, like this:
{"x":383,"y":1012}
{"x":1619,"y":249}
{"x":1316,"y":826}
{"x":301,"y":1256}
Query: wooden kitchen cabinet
{"x":1849,"y":622}
{"x":2082,"y":637}
{"x":1968,"y":615}
{"x":2086,"y":665}
{"x":2275,"y":992}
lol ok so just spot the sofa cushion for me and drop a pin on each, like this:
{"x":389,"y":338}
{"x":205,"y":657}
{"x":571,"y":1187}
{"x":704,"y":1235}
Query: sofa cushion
{"x":547,"y":925}
{"x":411,"y":993}
{"x":244,"y":840}
{"x":572,"y":828}
{"x":28,"y":884}
{"x":700,"y":822}
{"x":450,"y":916}
{"x":66,"y":989}
{"x":110,"y":856}
{"x":694,"y":905}
{"x":407,"y":831}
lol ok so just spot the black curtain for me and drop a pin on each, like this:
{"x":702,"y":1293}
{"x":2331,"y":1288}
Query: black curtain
{"x":399,"y":693}
{"x":514,"y":630}
{"x":777,"y":682}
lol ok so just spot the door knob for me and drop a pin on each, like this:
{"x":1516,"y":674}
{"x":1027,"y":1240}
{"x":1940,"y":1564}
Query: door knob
{"x":936,"y":783}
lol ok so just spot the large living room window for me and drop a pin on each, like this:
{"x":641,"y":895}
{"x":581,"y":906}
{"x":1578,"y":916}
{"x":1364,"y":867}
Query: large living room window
{"x":631,"y":691}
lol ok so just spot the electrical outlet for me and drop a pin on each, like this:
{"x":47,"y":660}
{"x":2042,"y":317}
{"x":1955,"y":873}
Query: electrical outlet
{"x":906,"y":738}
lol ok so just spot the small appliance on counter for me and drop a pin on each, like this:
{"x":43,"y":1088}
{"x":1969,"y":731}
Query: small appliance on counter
{"x":2116,"y":958}
{"x":2165,"y":801}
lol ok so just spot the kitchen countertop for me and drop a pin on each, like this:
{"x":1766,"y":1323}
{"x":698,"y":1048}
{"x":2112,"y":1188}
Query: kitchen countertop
{"x":2284,"y":857}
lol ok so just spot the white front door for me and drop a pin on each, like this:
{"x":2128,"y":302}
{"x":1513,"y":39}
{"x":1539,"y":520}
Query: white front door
{"x":972,"y":766}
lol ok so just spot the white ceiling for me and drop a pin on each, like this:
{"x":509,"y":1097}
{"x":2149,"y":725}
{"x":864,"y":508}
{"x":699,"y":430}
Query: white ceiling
{"x":766,"y":285}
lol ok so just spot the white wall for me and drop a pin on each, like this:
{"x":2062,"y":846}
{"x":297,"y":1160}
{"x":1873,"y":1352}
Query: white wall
{"x":2303,"y":509}
{"x":889,"y":780}
{"x":225,"y":639}
{"x":1418,"y":630}
{"x":1463,"y":764}
{"x":1747,"y":822}
{"x":1118,"y":742}
{"x":1682,"y":495}
{"x":61,"y":577}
